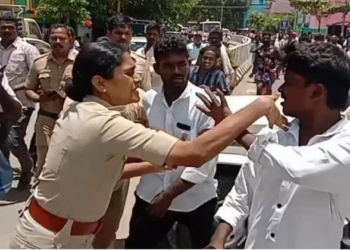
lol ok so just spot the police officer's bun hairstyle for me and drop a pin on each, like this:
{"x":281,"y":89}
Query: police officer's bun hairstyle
{"x":171,"y":45}
{"x":119,"y":21}
{"x":93,"y":59}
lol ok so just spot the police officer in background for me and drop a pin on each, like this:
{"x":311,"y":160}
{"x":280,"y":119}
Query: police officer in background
{"x":45,"y":85}
{"x":120,"y":30}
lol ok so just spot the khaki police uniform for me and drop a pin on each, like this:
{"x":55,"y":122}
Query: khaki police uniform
{"x":142,"y":71}
{"x":48,"y":74}
{"x":84,"y":163}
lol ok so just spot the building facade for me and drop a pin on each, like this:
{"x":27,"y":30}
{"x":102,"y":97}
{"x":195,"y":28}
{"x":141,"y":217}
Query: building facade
{"x":255,"y":5}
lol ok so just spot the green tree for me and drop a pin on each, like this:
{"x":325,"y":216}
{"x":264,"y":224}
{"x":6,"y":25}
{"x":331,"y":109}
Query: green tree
{"x":257,"y":20}
{"x":63,"y":10}
{"x":317,"y":8}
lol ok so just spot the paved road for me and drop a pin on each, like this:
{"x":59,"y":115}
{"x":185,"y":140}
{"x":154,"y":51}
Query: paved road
{"x":15,"y":200}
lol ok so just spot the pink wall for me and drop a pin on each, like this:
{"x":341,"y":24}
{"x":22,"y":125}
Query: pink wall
{"x":283,"y":6}
{"x":329,"y":20}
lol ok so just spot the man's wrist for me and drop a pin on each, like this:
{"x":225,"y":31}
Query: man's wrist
{"x":264,"y":105}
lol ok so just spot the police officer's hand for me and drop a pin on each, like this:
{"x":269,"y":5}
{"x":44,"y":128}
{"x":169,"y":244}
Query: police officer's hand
{"x":48,"y":96}
{"x":160,"y":205}
{"x":214,"y":108}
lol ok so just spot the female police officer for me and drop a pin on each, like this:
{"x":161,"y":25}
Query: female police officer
{"x":90,"y":143}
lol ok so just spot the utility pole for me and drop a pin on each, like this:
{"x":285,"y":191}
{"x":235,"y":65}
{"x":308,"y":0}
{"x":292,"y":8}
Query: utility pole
{"x":222,"y":11}
{"x":346,"y":3}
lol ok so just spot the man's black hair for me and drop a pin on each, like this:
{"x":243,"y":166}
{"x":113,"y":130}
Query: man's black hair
{"x":319,"y":37}
{"x":169,"y":46}
{"x":265,"y":33}
{"x":59,"y":25}
{"x":119,"y":21}
{"x":217,"y":31}
{"x":9,"y":19}
{"x":214,"y":49}
{"x":322,"y":63}
{"x":71,"y":31}
{"x":304,"y":39}
{"x":154,"y":26}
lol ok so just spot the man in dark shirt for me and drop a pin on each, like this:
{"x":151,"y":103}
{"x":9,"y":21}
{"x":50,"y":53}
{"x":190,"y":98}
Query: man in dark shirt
{"x":207,"y":73}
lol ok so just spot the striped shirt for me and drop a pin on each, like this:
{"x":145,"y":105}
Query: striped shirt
{"x":214,"y":79}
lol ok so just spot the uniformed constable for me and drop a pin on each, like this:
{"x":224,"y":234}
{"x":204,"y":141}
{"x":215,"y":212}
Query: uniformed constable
{"x":78,"y":190}
{"x":120,"y":30}
{"x":45,"y":85}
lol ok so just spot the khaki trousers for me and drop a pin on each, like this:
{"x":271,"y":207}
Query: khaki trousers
{"x":30,"y":235}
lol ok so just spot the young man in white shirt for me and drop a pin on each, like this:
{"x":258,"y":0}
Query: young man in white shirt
{"x":184,"y":195}
{"x":294,"y":192}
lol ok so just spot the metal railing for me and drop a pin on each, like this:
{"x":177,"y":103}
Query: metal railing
{"x":240,"y":47}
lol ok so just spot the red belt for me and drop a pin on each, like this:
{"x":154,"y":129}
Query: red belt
{"x":55,"y":224}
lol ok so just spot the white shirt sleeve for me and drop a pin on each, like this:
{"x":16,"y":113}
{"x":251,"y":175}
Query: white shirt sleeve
{"x":236,"y":207}
{"x":9,"y":90}
{"x":323,"y":166}
{"x":198,"y":175}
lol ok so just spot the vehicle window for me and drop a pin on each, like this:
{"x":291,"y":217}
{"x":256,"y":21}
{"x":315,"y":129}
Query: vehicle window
{"x":208,"y":27}
{"x":34,"y":31}
{"x":43,"y":48}
{"x":136,"y":45}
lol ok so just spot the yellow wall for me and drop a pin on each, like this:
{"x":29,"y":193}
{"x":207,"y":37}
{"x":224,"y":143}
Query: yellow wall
{"x":6,"y":1}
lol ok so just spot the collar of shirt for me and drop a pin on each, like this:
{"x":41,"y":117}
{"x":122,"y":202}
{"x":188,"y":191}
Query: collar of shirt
{"x":71,"y":55}
{"x":185,"y":94}
{"x":15,"y":44}
{"x":93,"y":98}
{"x":336,"y":128}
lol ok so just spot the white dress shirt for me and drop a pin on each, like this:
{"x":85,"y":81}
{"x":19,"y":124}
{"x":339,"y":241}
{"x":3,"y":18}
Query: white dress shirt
{"x":8,"y":89}
{"x":295,"y":196}
{"x":194,"y":50}
{"x":19,"y":58}
{"x":165,"y":118}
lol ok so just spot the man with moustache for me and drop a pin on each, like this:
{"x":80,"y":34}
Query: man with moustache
{"x":294,"y":191}
{"x":45,"y":85}
{"x":195,"y":47}
{"x":183,"y":195}
{"x":120,"y":31}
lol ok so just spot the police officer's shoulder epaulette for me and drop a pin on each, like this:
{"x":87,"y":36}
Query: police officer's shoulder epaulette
{"x":41,"y":57}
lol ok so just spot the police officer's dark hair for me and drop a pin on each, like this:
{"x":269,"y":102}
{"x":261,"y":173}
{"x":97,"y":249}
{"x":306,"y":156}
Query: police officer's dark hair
{"x":154,"y":26}
{"x":322,"y":63}
{"x":217,"y":31}
{"x":168,"y":46}
{"x":214,"y":49}
{"x":59,"y":25}
{"x":93,"y":59}
{"x":119,"y":21}
{"x":9,"y":19}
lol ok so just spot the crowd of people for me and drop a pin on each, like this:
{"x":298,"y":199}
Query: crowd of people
{"x":108,"y":114}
